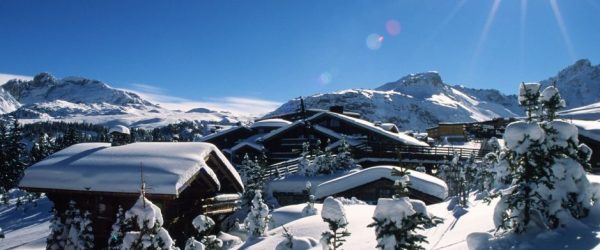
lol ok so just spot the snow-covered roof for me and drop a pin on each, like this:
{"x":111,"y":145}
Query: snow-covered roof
{"x":275,"y":122}
{"x":400,"y":137}
{"x":589,"y":129}
{"x":220,"y":133}
{"x":119,"y":129}
{"x":167,"y":167}
{"x":247,"y":143}
{"x":421,"y":182}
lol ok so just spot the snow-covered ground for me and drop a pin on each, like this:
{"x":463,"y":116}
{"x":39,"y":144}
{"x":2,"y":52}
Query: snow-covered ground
{"x":26,"y":228}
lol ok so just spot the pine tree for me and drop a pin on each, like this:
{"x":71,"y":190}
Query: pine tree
{"x":204,"y":225}
{"x":334,"y":215}
{"x":72,"y":242}
{"x":42,"y":148}
{"x":343,"y":159}
{"x":546,"y":165}
{"x":255,"y":178}
{"x":402,"y":183}
{"x":304,"y":163}
{"x":12,"y":155}
{"x":118,"y":231}
{"x":396,"y":222}
{"x":86,"y":235}
{"x":54,"y":241}
{"x":144,"y":224}
{"x":258,"y":217}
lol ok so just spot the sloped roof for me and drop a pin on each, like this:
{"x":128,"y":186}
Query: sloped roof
{"x":421,"y":182}
{"x":275,"y":122}
{"x":589,"y":129}
{"x":222,"y":132}
{"x":98,"y":167}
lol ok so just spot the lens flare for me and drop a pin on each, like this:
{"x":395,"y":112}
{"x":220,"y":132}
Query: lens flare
{"x":392,"y":27}
{"x":325,"y":78}
{"x":374,"y":41}
{"x":563,"y":28}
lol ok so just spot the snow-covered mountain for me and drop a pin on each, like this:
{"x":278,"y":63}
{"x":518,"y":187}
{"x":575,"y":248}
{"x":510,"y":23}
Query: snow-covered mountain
{"x":580,"y":83}
{"x":76,"y":99}
{"x":416,"y":101}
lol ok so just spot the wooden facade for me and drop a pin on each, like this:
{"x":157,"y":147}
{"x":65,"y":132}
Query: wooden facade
{"x":382,"y":188}
{"x":454,"y":130}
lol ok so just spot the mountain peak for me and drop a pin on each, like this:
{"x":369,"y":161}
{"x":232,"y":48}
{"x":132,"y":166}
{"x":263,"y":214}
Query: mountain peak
{"x":419,"y":85}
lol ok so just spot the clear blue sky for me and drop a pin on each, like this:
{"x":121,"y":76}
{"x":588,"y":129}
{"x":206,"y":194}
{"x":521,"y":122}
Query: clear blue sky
{"x":280,"y":49}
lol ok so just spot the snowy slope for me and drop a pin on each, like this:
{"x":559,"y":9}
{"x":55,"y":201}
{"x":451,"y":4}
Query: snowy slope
{"x":580,"y":83}
{"x":76,"y":99}
{"x":416,"y":101}
{"x":7,"y":102}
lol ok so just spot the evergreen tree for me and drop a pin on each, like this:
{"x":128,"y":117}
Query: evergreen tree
{"x":12,"y":155}
{"x":402,"y":183}
{"x":343,"y":159}
{"x":334,"y":214}
{"x":72,"y":242}
{"x":546,"y":165}
{"x":54,"y":241}
{"x":86,"y":235}
{"x":258,"y":217}
{"x":42,"y":148}
{"x":118,"y":231}
{"x":204,"y":225}
{"x":144,"y":224}
{"x":255,"y":178}
{"x":396,"y":222}
{"x":71,"y":137}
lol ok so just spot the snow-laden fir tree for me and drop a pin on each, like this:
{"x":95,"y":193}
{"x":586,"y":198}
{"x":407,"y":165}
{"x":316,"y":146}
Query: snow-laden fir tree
{"x":203,"y":225}
{"x":402,"y":183}
{"x":292,"y":242}
{"x":12,"y":154}
{"x":55,"y":240}
{"x":451,"y":174}
{"x":86,"y":234}
{"x":192,"y":244}
{"x":74,"y":231}
{"x":546,"y":164}
{"x":115,"y":239}
{"x":145,"y":220}
{"x":343,"y":159}
{"x":309,"y":209}
{"x":304,"y":162}
{"x":397,"y":221}
{"x":334,"y":214}
{"x":258,"y":218}
{"x":254,"y":172}
{"x":323,"y":163}
{"x":42,"y":148}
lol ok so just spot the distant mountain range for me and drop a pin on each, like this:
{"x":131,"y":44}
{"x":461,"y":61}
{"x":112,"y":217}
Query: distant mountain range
{"x":422,"y":100}
{"x":77,"y":99}
{"x":414,"y":102}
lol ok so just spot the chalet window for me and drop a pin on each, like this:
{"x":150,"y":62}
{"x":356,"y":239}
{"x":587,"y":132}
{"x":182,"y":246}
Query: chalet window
{"x":101,"y":208}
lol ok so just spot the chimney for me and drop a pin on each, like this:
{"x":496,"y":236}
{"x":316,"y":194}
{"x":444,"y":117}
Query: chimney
{"x":119,"y":135}
{"x":337,"y":109}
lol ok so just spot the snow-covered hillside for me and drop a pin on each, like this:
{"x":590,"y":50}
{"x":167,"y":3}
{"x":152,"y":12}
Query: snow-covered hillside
{"x":416,"y":101}
{"x":7,"y":102}
{"x":76,"y":99}
{"x":580,"y":83}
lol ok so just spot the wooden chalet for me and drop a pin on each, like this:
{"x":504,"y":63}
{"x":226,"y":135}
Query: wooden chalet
{"x":367,"y":139}
{"x":184,"y":179}
{"x":303,"y":114}
{"x":377,"y":182}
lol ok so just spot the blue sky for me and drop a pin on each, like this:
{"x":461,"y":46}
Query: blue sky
{"x":265,"y":52}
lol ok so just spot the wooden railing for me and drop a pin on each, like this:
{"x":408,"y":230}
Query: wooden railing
{"x":406,"y":152}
